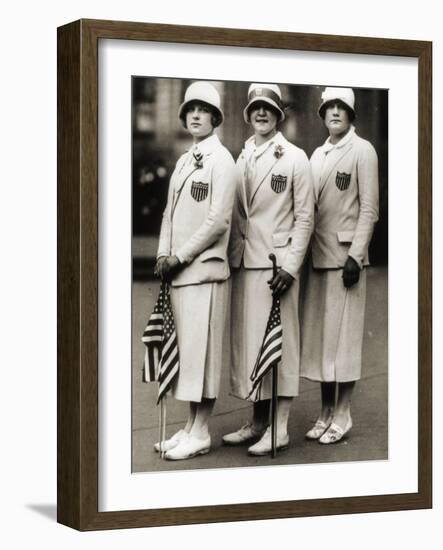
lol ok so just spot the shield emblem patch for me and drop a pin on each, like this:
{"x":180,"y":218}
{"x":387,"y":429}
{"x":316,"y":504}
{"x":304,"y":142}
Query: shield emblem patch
{"x":278,"y":183}
{"x":342,"y":180}
{"x":199,"y":190}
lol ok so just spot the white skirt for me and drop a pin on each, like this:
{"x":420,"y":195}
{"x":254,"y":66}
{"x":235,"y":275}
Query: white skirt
{"x":200,"y":315}
{"x":250,"y":307}
{"x":332,"y":327}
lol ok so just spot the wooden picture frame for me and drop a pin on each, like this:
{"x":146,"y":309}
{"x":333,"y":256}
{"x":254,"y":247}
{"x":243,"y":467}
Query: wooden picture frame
{"x":77,"y":458}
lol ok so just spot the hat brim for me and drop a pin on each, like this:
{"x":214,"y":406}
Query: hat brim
{"x":181,"y":109}
{"x":263,"y":100}
{"x":324,"y":106}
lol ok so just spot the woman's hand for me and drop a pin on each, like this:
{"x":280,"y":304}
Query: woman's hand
{"x":166,"y":267}
{"x":172,"y":265}
{"x":281,"y":282}
{"x":351,"y":272}
{"x":160,"y":266}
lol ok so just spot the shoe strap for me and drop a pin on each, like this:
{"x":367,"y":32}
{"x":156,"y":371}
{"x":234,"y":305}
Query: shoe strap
{"x":320,"y":424}
{"x":336,"y":429}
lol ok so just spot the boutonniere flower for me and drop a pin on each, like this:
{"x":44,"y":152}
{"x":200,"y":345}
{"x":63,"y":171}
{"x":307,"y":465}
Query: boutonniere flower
{"x":198,"y":159}
{"x":278,"y":151}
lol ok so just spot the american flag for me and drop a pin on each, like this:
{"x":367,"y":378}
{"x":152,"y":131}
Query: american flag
{"x":160,"y":338}
{"x":270,"y":353}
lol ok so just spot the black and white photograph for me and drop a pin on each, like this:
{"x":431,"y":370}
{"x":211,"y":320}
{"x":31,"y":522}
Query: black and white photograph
{"x":173,"y":175}
{"x":259,"y":274}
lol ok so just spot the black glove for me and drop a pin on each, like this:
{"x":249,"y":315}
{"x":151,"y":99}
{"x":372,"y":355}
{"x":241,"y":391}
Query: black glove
{"x":351,"y":272}
{"x":166,"y":267}
{"x":281,"y":282}
{"x":160,"y":267}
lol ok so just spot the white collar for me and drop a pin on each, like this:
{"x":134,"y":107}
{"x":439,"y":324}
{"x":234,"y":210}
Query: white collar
{"x":328,"y":146}
{"x":207,"y":145}
{"x":251,"y":148}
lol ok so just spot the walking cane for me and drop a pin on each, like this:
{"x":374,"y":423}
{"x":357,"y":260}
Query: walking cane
{"x":274,"y":381}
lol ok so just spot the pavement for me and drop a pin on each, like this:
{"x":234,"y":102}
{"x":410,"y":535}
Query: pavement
{"x":368,"y":439}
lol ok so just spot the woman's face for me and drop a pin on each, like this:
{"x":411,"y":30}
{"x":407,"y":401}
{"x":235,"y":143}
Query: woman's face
{"x":337,"y":120}
{"x":263,"y":118}
{"x":199,"y":120}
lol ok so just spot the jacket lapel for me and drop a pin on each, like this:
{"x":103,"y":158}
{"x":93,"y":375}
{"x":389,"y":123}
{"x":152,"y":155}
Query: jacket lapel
{"x":269,"y":161}
{"x":347,"y":143}
{"x":185,"y":172}
{"x":329,"y":169}
{"x":187,"y":169}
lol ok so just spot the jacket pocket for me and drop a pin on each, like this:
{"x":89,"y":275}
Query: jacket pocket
{"x":211,"y":255}
{"x":345,"y":236}
{"x":279,"y":240}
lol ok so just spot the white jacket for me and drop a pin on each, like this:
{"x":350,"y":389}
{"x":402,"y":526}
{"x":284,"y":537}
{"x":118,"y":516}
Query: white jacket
{"x":197,"y":218}
{"x":346,"y":195}
{"x":279,"y":217}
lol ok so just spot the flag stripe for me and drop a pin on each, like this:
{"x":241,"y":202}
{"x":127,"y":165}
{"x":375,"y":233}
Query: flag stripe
{"x":151,"y":363}
{"x":265,"y":361}
{"x":265,"y":347}
{"x":269,"y":353}
{"x":167,"y":375}
{"x":156,"y":328}
{"x":276,"y":338}
{"x":158,"y":332}
{"x":158,"y":325}
{"x":166,"y":361}
{"x":153,"y":326}
{"x":153,"y":338}
{"x":267,"y":367}
{"x":168,"y":349}
{"x":169,"y":372}
{"x":145,"y":377}
{"x":162,"y":354}
{"x":274,"y":335}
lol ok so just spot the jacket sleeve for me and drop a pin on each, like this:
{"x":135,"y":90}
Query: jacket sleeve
{"x":367,"y":180}
{"x":303,"y":205}
{"x":218,"y":220}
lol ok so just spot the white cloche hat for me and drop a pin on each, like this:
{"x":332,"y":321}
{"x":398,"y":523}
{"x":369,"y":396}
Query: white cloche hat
{"x":204,"y":92}
{"x":268,"y":93}
{"x":345,"y":95}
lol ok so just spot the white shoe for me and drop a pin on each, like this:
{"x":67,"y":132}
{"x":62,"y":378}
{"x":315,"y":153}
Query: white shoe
{"x":318,"y":429}
{"x":169,"y":444}
{"x":189,"y":447}
{"x":264,"y":446}
{"x":335,"y":432}
{"x":244,"y":434}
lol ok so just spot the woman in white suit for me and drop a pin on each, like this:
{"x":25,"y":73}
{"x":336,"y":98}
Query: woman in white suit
{"x":273,"y":213}
{"x":192,"y":256}
{"x":345,"y":171}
